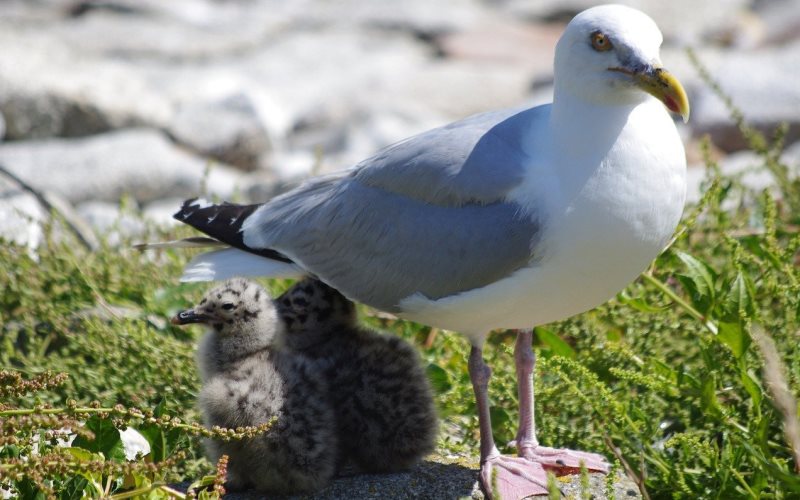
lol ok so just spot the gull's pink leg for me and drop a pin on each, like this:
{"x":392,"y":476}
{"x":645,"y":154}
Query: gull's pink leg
{"x":562,"y":460}
{"x":502,"y":477}
{"x":525,"y":361}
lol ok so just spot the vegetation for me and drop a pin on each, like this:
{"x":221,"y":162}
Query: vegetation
{"x":686,"y":379}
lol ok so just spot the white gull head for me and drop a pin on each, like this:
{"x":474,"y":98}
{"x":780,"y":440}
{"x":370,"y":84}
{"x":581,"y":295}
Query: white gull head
{"x":611,"y":55}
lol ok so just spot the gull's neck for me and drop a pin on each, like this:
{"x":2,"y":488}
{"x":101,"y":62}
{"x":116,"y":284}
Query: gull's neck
{"x":582,"y":126}
{"x":586,"y":138}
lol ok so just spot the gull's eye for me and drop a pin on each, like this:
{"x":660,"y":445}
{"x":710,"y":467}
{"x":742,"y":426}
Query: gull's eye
{"x":227,"y":306}
{"x":600,"y":42}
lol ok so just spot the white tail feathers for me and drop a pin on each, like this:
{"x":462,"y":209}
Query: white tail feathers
{"x":231,"y":262}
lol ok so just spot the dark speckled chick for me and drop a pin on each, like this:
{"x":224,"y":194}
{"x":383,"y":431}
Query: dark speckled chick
{"x":248,"y":378}
{"x":386,"y":417}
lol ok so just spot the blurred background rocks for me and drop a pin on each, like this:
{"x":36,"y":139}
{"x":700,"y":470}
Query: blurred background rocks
{"x":105,"y":98}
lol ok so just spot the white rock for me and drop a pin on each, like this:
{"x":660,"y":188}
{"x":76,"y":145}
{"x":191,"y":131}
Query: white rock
{"x":133,"y":443}
{"x":791,"y":156}
{"x":109,"y":221}
{"x":160,"y":212}
{"x":21,"y":216}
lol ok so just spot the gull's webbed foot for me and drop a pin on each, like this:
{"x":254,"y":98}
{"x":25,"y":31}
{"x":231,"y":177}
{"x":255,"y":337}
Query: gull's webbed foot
{"x":512,"y":478}
{"x":564,"y":461}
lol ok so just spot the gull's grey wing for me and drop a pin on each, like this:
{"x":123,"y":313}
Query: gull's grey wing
{"x":379,"y":247}
{"x":478,"y":159}
{"x":422,"y":221}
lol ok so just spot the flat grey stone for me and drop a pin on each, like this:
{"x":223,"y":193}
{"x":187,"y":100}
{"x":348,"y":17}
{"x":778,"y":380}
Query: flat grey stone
{"x":763,"y":83}
{"x":228,"y":130}
{"x":140,"y":162}
{"x":418,"y":17}
{"x":779,"y":21}
{"x":681,"y":21}
{"x":48,"y":90}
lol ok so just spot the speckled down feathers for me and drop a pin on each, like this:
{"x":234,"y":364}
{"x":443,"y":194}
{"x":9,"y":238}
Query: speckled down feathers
{"x":249,"y":378}
{"x":386,"y":417}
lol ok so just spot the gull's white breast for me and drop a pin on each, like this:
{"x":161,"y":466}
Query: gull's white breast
{"x":603,"y":223}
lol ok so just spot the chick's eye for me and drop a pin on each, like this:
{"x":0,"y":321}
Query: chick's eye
{"x":600,"y":42}
{"x":228,"y":306}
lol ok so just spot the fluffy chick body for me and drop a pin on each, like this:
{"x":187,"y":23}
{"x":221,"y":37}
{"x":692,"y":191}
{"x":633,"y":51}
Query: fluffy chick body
{"x":248,"y":379}
{"x":386,"y":418}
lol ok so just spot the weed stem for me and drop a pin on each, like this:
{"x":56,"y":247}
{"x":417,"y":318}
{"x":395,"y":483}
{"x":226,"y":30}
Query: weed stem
{"x":711,"y":327}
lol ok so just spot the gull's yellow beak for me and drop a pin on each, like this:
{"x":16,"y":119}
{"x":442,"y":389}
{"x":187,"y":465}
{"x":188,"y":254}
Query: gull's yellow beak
{"x":661,"y":84}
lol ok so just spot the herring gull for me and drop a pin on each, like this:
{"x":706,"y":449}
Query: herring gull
{"x":506,"y":219}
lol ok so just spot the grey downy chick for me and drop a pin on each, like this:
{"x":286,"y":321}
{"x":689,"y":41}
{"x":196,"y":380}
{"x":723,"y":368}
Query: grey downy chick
{"x":385,"y":413}
{"x":248,"y":377}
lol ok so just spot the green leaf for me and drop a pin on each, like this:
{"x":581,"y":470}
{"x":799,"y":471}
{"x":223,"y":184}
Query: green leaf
{"x":665,"y":371}
{"x":752,"y":387}
{"x":157,"y":440}
{"x":106,"y":439}
{"x":155,"y":436}
{"x":74,"y":488}
{"x":734,"y":337}
{"x":708,"y":397}
{"x":699,"y":278}
{"x":738,"y":302}
{"x":159,"y":409}
{"x":82,"y":455}
{"x":29,"y":491}
{"x":556,"y":344}
{"x":439,"y":378}
{"x":9,"y":451}
{"x":639,"y":303}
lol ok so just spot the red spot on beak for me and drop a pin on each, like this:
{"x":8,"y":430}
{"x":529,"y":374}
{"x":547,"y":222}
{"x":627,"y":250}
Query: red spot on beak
{"x":671,"y":104}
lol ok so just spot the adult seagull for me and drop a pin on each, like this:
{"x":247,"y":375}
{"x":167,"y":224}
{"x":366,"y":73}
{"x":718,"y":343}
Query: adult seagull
{"x":507,"y":219}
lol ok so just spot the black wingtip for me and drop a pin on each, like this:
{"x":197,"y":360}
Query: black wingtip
{"x":223,"y":222}
{"x":186,"y":209}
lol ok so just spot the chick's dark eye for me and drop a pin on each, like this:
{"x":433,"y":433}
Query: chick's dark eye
{"x":227,"y":306}
{"x":600,"y":42}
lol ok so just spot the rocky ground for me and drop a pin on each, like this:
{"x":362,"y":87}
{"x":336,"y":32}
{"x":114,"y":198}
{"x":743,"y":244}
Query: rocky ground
{"x":100,"y":98}
{"x":443,"y":478}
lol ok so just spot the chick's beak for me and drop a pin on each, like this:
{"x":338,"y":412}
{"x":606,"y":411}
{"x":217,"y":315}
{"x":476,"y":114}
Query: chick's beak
{"x":188,"y":316}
